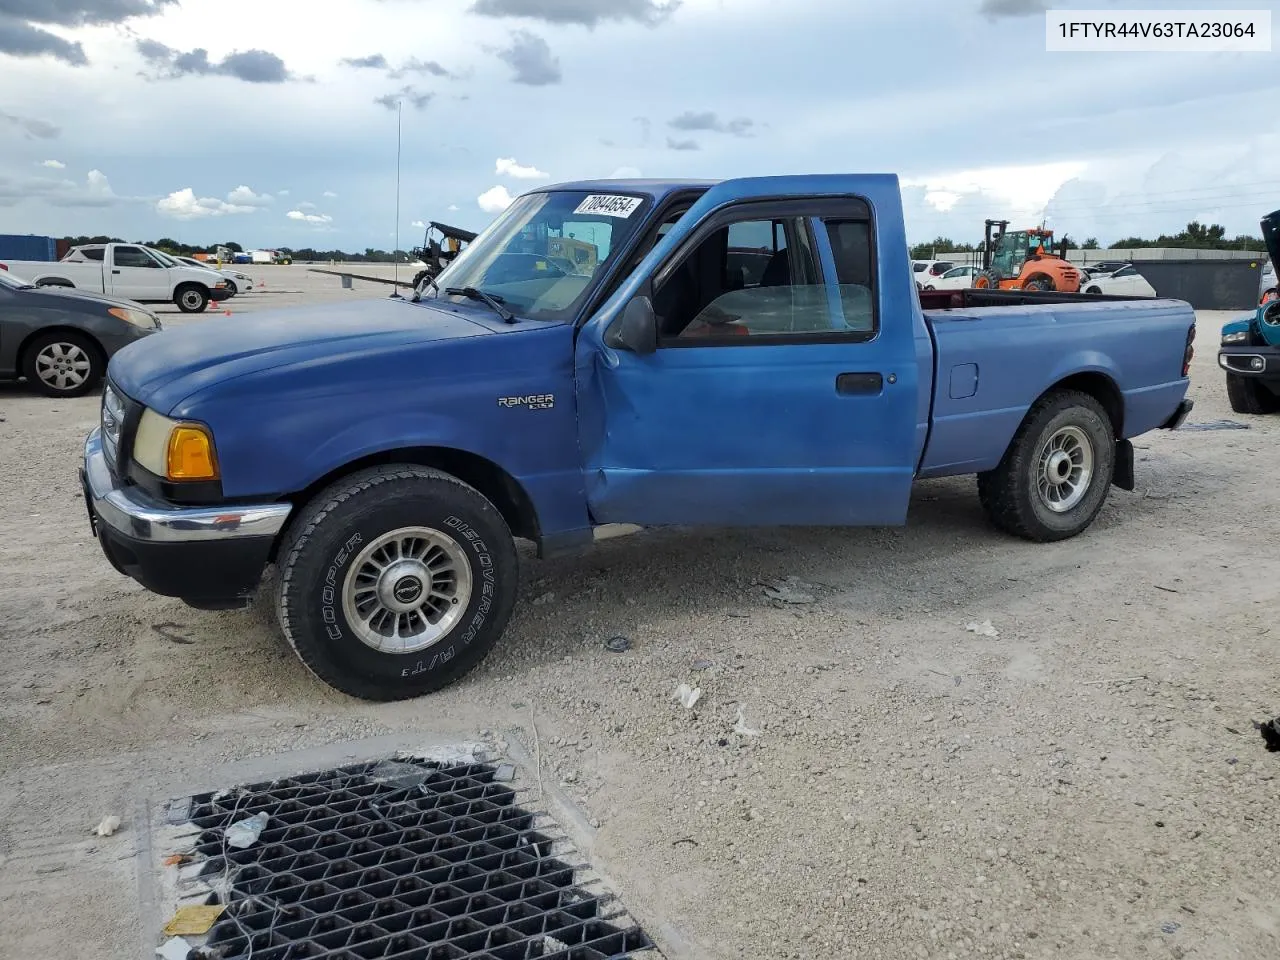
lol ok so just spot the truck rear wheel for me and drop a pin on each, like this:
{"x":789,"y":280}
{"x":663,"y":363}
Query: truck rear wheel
{"x":396,"y":581}
{"x":191,"y":298}
{"x":1249,"y":395}
{"x":1056,"y":474}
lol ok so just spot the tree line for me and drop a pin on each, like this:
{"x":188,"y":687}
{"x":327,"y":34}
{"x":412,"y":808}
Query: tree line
{"x":173,"y":247}
{"x":1195,"y":235}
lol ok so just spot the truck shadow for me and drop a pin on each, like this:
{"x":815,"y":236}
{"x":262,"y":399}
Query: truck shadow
{"x":667,"y":580}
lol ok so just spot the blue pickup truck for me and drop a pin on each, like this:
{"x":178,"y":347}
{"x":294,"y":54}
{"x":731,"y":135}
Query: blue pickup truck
{"x":734,"y":353}
{"x":1250,"y":350}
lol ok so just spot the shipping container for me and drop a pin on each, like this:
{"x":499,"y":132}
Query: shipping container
{"x":16,"y":246}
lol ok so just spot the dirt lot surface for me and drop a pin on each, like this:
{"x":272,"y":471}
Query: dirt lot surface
{"x":1086,"y":784}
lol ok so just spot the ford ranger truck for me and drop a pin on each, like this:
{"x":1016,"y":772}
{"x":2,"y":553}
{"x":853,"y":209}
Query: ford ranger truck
{"x":1250,"y":349}
{"x":385,"y":454}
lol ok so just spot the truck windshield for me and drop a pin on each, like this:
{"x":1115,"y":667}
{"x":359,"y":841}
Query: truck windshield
{"x":546,"y":250}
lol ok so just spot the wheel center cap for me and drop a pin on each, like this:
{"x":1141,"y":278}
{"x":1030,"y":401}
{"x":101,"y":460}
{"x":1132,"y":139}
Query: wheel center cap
{"x":407,"y":589}
{"x":1059,"y":467}
{"x":403,"y":586}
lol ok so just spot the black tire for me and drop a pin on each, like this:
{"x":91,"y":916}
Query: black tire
{"x":1248,"y":395}
{"x":331,"y":535}
{"x":191,"y":298}
{"x":991,"y":278}
{"x":1094,"y":289}
{"x":232,"y":288}
{"x":1011,"y":494}
{"x":1039,"y":281}
{"x":56,"y":282}
{"x":58,"y":356}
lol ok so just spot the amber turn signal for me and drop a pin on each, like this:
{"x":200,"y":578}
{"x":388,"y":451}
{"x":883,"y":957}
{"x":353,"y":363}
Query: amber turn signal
{"x":191,"y":454}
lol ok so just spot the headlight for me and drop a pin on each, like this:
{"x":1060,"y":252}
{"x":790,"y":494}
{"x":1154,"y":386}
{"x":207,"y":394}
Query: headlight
{"x":139,"y":318}
{"x":174,"y":449}
{"x":112,"y":418}
{"x":1239,"y":336}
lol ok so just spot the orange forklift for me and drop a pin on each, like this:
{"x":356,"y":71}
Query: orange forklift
{"x":1024,"y":260}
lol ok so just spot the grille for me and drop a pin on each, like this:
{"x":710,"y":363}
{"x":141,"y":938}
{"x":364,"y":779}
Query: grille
{"x":407,"y":859}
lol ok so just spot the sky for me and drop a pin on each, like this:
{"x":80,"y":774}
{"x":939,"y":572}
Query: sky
{"x":271,"y":124}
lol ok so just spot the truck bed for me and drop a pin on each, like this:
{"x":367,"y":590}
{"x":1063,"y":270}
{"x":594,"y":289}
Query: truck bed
{"x":996,"y":351}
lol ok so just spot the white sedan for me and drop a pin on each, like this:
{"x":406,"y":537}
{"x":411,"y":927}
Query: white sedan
{"x":957,"y":278}
{"x":1125,"y":282}
{"x":237,"y":281}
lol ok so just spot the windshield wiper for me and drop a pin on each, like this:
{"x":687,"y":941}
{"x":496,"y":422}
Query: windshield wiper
{"x":471,"y":293}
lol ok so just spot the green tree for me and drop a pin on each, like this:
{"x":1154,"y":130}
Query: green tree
{"x":1090,"y":244}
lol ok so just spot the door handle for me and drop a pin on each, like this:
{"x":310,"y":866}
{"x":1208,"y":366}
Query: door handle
{"x":853,"y":384}
{"x":115,"y":271}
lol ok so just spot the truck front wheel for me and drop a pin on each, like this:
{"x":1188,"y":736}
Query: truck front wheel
{"x":396,"y":581}
{"x":1249,"y":395}
{"x":191,"y":298}
{"x":1056,"y":474}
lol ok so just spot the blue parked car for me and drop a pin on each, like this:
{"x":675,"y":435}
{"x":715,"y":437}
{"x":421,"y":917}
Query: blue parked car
{"x":384,"y":454}
{"x":1250,"y":350}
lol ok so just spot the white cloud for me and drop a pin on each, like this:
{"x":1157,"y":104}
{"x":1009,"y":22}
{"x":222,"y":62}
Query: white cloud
{"x":419,"y":224}
{"x":282,"y":193}
{"x":625,"y":173}
{"x":245,"y":197}
{"x":942,"y":200}
{"x":309,"y":217}
{"x":1024,"y":188}
{"x":510,"y":168}
{"x":453,"y":208}
{"x":330,"y":193}
{"x":185,"y":205}
{"x":54,"y":164}
{"x":495,"y":199}
{"x":306,"y":205}
{"x":95,"y":191}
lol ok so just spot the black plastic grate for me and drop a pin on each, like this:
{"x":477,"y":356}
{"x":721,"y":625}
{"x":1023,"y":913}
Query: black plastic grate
{"x":405,"y":860}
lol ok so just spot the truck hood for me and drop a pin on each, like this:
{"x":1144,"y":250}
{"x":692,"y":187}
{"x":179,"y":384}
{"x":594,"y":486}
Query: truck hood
{"x":161,"y":371}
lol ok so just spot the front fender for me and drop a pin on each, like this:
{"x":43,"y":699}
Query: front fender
{"x":396,"y":431}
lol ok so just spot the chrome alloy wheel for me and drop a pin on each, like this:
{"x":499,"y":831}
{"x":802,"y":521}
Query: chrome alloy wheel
{"x":63,"y":366}
{"x":1065,"y":469}
{"x":407,"y":590}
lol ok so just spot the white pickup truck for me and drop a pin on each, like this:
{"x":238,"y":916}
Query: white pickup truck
{"x":126,"y":270}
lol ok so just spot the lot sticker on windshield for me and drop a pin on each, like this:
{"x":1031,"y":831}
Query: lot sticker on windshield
{"x":609,"y":206}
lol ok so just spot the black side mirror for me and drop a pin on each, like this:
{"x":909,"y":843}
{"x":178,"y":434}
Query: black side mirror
{"x":637,"y":329}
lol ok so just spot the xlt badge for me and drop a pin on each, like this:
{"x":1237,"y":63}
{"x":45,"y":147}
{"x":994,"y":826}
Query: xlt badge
{"x":539,"y":401}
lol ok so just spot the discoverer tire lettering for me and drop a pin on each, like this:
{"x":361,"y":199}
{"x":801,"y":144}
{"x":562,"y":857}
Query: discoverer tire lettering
{"x":339,"y":526}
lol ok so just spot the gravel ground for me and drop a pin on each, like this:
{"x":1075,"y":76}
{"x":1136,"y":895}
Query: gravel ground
{"x":1086,"y":784}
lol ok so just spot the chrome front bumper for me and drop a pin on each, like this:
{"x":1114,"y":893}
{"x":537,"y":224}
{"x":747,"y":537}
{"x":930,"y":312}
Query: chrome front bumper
{"x":210,"y":557}
{"x":130,"y":512}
